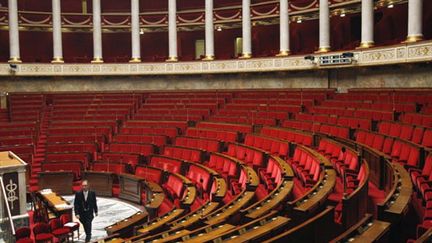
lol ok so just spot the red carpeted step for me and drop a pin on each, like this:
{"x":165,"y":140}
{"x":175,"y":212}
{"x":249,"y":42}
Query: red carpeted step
{"x":33,"y":181}
{"x":34,"y":188}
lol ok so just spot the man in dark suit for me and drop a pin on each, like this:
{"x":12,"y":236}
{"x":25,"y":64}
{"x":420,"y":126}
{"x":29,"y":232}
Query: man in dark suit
{"x":84,"y":206}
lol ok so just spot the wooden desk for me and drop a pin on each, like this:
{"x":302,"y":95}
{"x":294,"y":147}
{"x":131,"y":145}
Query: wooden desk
{"x":207,"y":236}
{"x":130,"y":187}
{"x":269,"y":202}
{"x":58,"y":181}
{"x":172,"y":237}
{"x":193,"y":217}
{"x":229,"y":210}
{"x":396,"y":204}
{"x":366,"y":230}
{"x":154,"y":198}
{"x":190,"y":195}
{"x":253,"y":179}
{"x":221,"y":189}
{"x":124,"y":228}
{"x":190,"y":190}
{"x":55,"y":203}
{"x":286,"y":168}
{"x":319,"y":228}
{"x":100,"y":182}
{"x":425,"y":237}
{"x":256,"y":233}
{"x":159,"y":222}
{"x":317,"y":195}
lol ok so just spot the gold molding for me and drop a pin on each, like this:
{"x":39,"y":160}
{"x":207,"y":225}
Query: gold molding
{"x":208,"y":58}
{"x":323,"y":50}
{"x":15,"y":60}
{"x":245,"y":56}
{"x":135,"y":60}
{"x":57,"y":60}
{"x":97,"y":60}
{"x":413,"y":38}
{"x":284,"y":53}
{"x":366,"y":44}
{"x":172,"y":59}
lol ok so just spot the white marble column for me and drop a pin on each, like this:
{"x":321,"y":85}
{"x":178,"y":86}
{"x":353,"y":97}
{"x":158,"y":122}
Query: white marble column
{"x":284,"y":46}
{"x":172,"y":31}
{"x":135,"y":30}
{"x":57,"y":32}
{"x":209,"y":30}
{"x":415,"y":18}
{"x":246,"y":30}
{"x":14,"y":49}
{"x":324,"y":26}
{"x":367,"y":23}
{"x":97,"y":32}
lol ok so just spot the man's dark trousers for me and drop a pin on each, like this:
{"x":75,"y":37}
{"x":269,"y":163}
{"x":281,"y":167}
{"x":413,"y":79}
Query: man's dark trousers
{"x":86,"y":220}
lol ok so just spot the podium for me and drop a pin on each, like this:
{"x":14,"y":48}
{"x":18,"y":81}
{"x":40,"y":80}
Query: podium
{"x":13,"y":174}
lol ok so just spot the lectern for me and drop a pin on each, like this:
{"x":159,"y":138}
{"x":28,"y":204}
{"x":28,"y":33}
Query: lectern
{"x":13,"y":174}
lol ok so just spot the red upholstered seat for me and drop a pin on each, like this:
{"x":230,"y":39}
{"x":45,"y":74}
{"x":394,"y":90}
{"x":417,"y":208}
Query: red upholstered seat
{"x":58,"y":230}
{"x":22,"y":235}
{"x":151,"y":174}
{"x":42,"y":232}
{"x":24,"y":240}
{"x":427,"y":138}
{"x":67,"y":222}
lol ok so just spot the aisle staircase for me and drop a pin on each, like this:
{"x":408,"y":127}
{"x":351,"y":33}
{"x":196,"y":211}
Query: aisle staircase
{"x":39,"y":156}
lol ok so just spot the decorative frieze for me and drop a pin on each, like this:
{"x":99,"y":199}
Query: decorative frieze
{"x":402,"y":53}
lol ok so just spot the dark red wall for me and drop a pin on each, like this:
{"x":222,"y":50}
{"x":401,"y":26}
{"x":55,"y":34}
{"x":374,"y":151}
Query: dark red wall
{"x":4,"y":46}
{"x":186,"y":44}
{"x":154,"y":46}
{"x":391,"y":25}
{"x":265,"y":40}
{"x":116,"y":47}
{"x":78,"y":47}
{"x":224,"y":43}
{"x":36,"y":46}
{"x":304,"y":37}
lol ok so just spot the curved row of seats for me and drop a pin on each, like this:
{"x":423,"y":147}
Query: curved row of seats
{"x":240,"y":134}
